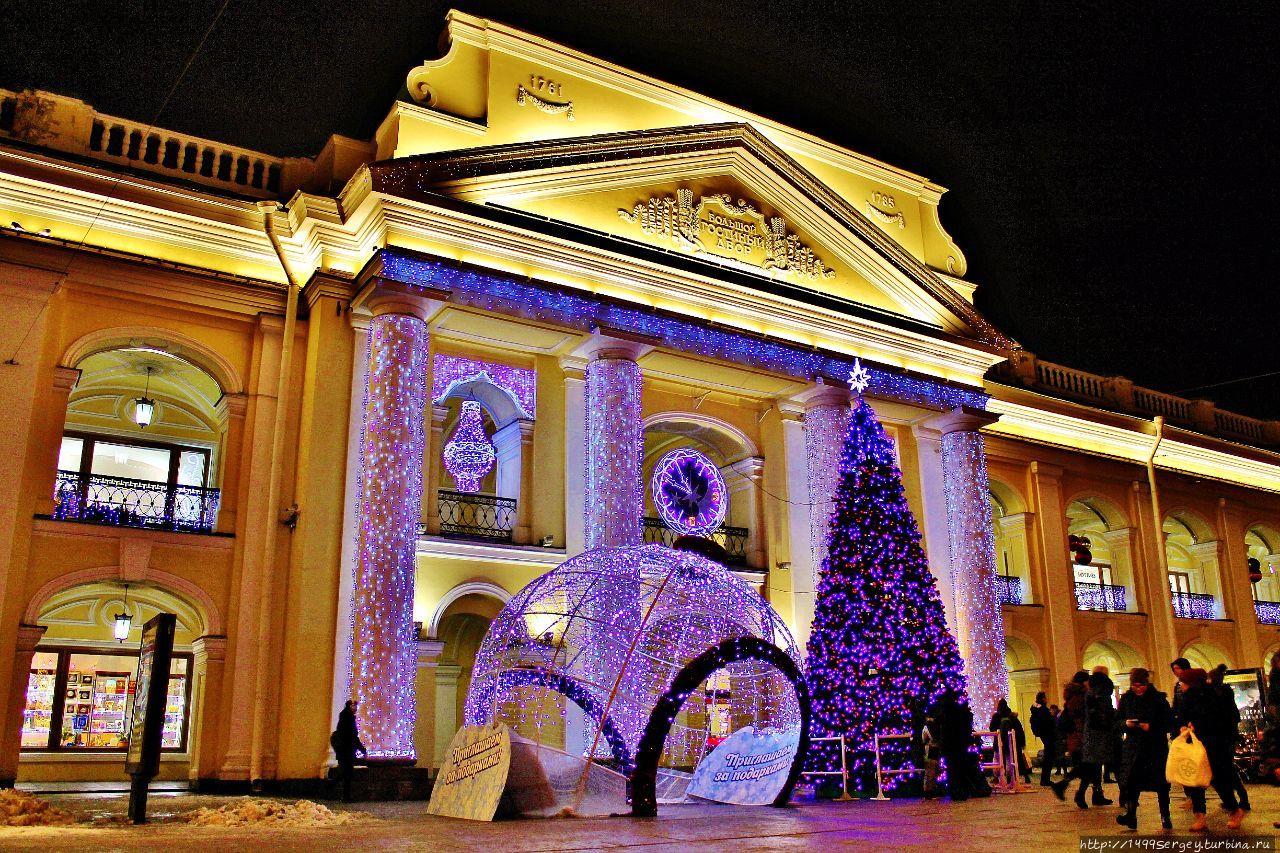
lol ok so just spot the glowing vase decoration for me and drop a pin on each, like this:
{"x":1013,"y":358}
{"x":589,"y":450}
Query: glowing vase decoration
{"x":392,"y":441}
{"x":469,"y":454}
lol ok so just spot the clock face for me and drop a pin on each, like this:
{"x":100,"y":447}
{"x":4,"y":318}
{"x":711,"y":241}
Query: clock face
{"x":689,"y":492}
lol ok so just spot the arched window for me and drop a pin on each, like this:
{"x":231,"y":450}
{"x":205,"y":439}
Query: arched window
{"x":1192,"y":554}
{"x":1263,"y":545}
{"x":1099,"y":548}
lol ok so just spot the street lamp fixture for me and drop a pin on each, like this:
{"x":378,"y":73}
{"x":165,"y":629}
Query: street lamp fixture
{"x":124,"y":621}
{"x":144,"y":407}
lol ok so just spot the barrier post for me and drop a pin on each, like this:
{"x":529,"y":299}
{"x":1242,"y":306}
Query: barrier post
{"x":844,"y":769}
{"x":879,"y":776}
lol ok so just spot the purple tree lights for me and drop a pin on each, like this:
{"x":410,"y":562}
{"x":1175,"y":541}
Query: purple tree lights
{"x":469,"y":454}
{"x":879,"y":651}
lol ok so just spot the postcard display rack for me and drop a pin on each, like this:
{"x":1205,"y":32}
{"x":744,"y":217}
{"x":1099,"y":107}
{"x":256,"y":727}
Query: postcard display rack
{"x":174,"y":706}
{"x":38,"y":716}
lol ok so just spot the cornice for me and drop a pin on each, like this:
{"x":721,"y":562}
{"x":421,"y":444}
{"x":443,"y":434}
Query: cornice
{"x":518,"y":252}
{"x":488,"y":35}
{"x":418,"y":177}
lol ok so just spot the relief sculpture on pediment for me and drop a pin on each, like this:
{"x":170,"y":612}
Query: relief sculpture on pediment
{"x":736,"y":231}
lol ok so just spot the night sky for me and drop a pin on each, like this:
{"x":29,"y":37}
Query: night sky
{"x":1110,"y":170}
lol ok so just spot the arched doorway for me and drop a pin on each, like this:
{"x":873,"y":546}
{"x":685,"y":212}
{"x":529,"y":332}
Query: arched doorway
{"x":1101,"y":561}
{"x":1027,"y":676}
{"x":461,"y":627}
{"x":81,"y":682}
{"x":144,"y":441}
{"x":1205,"y":655}
{"x":1195,"y":583}
{"x":1119,"y":658}
{"x":736,"y":457}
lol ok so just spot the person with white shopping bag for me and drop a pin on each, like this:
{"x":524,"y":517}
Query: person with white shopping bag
{"x":1202,"y":750}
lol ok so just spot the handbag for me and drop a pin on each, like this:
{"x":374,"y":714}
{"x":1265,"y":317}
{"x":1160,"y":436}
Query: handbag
{"x":1188,"y":763}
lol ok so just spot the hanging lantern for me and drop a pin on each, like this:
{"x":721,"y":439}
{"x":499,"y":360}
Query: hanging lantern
{"x":124,"y":621}
{"x":1255,"y":570}
{"x":144,"y":408}
{"x":469,"y":455}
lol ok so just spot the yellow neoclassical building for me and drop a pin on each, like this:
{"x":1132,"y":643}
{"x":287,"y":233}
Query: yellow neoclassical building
{"x":334,"y":412}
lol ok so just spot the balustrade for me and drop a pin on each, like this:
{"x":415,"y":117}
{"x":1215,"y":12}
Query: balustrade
{"x":1194,"y":605}
{"x":732,"y":539}
{"x":1009,"y":589}
{"x":465,"y":515}
{"x":122,"y":501}
{"x":1100,"y":596}
{"x":1268,"y":612}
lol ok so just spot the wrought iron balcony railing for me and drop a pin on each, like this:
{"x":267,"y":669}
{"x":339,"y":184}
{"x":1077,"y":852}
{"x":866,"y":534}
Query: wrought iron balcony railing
{"x":466,"y":515}
{"x":1009,"y":589}
{"x":732,"y":539}
{"x":1194,"y":605}
{"x":1100,"y":596}
{"x":126,"y":502}
{"x":1268,"y":612}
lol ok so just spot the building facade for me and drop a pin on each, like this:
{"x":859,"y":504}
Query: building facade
{"x":334,"y":412}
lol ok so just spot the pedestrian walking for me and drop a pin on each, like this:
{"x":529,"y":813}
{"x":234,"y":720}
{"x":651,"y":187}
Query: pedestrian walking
{"x":1215,"y":723}
{"x":1086,"y":702}
{"x":1143,"y":721}
{"x":1044,"y":726}
{"x":1217,"y":680}
{"x":345,"y":741}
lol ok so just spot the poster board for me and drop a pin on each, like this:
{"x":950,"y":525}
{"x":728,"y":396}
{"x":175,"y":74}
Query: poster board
{"x":746,"y":769}
{"x":474,"y":773}
{"x":142,"y":759}
{"x":1249,"y":691}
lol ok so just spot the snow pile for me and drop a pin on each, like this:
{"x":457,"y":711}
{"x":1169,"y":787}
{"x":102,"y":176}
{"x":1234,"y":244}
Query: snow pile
{"x":251,"y":812}
{"x":18,"y":808}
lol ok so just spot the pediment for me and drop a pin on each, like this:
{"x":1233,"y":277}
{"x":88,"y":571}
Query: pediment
{"x":721,"y":193}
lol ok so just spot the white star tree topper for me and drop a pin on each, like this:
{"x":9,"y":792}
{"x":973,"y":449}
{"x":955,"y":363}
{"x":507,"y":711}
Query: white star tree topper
{"x":859,"y":377}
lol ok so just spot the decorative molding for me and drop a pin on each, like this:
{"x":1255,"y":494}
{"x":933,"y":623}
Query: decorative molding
{"x":883,"y":218}
{"x":524,"y":96}
{"x":739,"y":232}
{"x":492,"y":590}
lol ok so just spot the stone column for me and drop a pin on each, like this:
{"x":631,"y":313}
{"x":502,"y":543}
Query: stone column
{"x":431,"y":472}
{"x":210,"y":660}
{"x":1237,"y":591}
{"x":979,"y":622}
{"x":613,"y":502}
{"x":424,"y":736}
{"x":1054,"y":572}
{"x":575,"y":459}
{"x":16,"y":701}
{"x":513,"y":446}
{"x":230,"y":410}
{"x":447,"y":722}
{"x":826,"y":417}
{"x":795,"y":526}
{"x":392,"y":446}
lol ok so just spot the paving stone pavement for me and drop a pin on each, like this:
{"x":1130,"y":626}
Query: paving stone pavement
{"x":1030,"y":821}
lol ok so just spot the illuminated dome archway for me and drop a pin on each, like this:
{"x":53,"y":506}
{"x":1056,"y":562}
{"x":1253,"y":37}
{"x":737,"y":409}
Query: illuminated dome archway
{"x":627,"y":635}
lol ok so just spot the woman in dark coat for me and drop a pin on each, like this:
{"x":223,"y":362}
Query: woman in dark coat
{"x":1005,"y":720}
{"x":1093,"y":716}
{"x":1214,"y":721}
{"x":955,"y":731}
{"x":1143,"y":721}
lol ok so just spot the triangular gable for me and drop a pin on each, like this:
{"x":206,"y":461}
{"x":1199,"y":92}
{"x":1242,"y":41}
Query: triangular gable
{"x":723,"y":192}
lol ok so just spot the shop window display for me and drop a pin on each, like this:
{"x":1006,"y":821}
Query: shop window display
{"x":86,"y":698}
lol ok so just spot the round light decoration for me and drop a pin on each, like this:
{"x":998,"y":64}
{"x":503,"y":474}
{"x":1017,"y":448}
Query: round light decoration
{"x":469,"y":455}
{"x":689,"y":492}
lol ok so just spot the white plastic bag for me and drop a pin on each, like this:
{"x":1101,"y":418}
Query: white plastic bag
{"x":1188,"y":763}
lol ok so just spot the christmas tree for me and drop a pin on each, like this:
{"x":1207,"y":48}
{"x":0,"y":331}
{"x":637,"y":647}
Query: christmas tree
{"x":879,"y":652}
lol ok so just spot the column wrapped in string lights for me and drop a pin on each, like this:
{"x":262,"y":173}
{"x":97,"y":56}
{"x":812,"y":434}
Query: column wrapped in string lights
{"x":614,"y":501}
{"x":392,"y":443}
{"x":979,"y":622}
{"x":826,"y":417}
